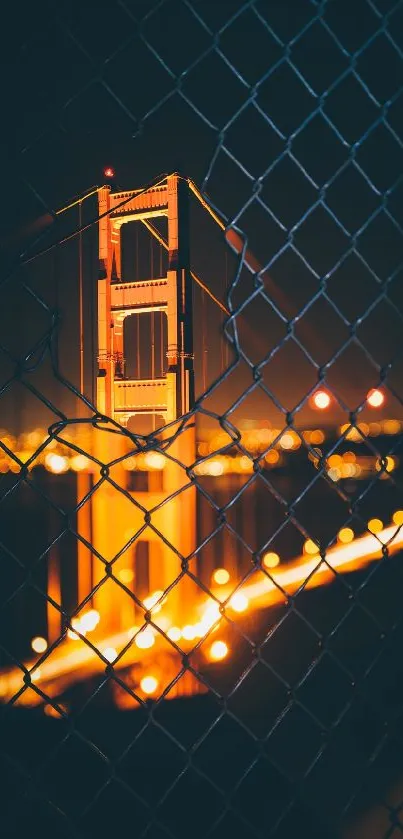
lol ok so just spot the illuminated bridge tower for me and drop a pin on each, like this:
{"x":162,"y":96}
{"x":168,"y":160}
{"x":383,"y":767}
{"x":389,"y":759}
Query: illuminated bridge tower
{"x":114,"y":520}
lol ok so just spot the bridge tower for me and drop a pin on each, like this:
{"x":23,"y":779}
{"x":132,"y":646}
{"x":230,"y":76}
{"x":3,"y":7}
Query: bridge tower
{"x":111,"y":519}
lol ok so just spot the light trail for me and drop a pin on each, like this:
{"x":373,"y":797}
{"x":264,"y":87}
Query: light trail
{"x":74,"y":661}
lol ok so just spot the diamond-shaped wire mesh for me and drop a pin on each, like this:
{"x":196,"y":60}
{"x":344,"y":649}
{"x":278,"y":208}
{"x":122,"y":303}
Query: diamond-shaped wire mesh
{"x":250,"y":686}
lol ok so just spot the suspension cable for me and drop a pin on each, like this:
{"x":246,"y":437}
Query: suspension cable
{"x":194,"y":276}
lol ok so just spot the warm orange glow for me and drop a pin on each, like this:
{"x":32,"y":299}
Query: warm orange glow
{"x":151,"y":602}
{"x":56,"y":463}
{"x":375,"y":525}
{"x":210,"y":615}
{"x":109,"y":172}
{"x":397,"y":518}
{"x":375,"y":398}
{"x":310,"y":547}
{"x":271,"y":559}
{"x":126,"y":575}
{"x":149,"y":685}
{"x":321,"y":400}
{"x":316,"y":437}
{"x":345,"y":535}
{"x":188,"y":632}
{"x":109,"y":653}
{"x":88,"y":621}
{"x":174,"y":633}
{"x":388,"y":464}
{"x":272,"y":457}
{"x":218,"y":650}
{"x":79,"y":462}
{"x":287,"y":441}
{"x":39,"y":644}
{"x":145,"y":639}
{"x":238,"y":602}
{"x":392,"y":426}
{"x":154,"y":460}
{"x":221,"y":576}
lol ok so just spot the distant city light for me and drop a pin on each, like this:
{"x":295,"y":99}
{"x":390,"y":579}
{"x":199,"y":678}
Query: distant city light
{"x":174,"y":633}
{"x":218,"y":650}
{"x":79,"y":462}
{"x":221,"y":576}
{"x":375,"y":398}
{"x":126,"y":575}
{"x":56,"y":463}
{"x":238,"y":602}
{"x":271,"y":559}
{"x":145,"y":639}
{"x":39,"y":644}
{"x":109,"y":653}
{"x":345,"y":535}
{"x":149,"y":685}
{"x":310,"y":547}
{"x":189,"y":632}
{"x":375,"y":525}
{"x":151,"y":602}
{"x":321,"y":400}
{"x":154,"y":460}
{"x":89,"y":620}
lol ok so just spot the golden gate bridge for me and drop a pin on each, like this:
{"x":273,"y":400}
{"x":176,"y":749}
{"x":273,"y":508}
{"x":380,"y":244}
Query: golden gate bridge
{"x":116,"y":624}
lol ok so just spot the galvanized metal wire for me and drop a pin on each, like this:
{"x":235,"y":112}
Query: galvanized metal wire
{"x":286,"y":120}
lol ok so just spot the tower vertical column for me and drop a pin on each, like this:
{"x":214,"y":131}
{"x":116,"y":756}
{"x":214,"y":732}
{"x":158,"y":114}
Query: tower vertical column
{"x":181,"y":510}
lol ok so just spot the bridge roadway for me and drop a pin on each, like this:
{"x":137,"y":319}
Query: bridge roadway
{"x":72,"y":661}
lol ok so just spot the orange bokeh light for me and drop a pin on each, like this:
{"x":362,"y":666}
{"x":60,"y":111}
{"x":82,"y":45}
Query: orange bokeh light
{"x":375,"y":398}
{"x":321,"y":400}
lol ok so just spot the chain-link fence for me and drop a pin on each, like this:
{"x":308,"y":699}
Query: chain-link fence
{"x":204,"y":639}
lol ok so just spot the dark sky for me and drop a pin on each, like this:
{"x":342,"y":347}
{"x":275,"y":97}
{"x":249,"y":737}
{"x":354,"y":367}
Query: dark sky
{"x":289,"y":114}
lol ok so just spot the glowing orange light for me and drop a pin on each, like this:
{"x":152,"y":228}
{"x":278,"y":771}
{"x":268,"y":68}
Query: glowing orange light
{"x":398,"y":517}
{"x":375,"y":398}
{"x":238,"y":602}
{"x":375,"y":525}
{"x":271,"y":559}
{"x":174,"y":633}
{"x":151,"y":602}
{"x":109,"y":653}
{"x":79,"y":462}
{"x":109,"y":172}
{"x":310,"y":547}
{"x":149,"y":685}
{"x":39,"y":644}
{"x":56,"y":463}
{"x":221,"y":576}
{"x":189,"y":632}
{"x":126,"y":575}
{"x":145,"y":639}
{"x":345,"y":535}
{"x":321,"y":400}
{"x":218,"y":650}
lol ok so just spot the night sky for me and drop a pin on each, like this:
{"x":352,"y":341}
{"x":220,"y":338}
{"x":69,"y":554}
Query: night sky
{"x":287,"y":113}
